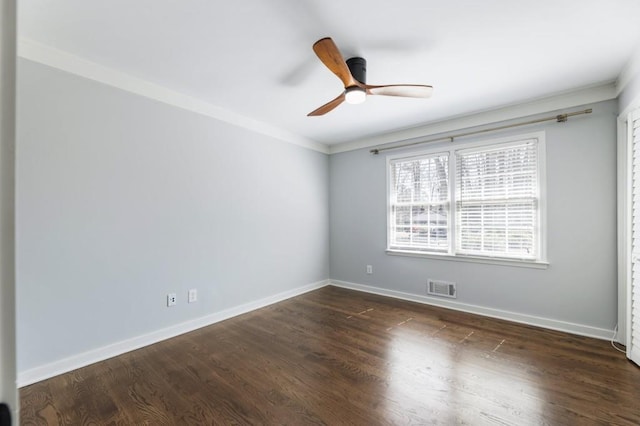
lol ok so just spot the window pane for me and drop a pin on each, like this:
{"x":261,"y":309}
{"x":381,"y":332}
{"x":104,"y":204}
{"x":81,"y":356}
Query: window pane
{"x":403,"y":215}
{"x":496,"y":191}
{"x":420,"y":203}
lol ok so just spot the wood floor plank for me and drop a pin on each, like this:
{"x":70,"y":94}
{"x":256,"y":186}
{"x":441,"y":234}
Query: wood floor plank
{"x":335,"y":356}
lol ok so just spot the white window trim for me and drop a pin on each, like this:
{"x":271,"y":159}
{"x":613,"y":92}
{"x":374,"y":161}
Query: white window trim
{"x":541,"y":263}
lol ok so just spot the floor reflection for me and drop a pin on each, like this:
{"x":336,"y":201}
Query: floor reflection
{"x":454,"y":376}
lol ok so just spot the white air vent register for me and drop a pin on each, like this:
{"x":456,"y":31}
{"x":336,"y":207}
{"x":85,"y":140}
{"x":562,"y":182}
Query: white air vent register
{"x":441,"y":288}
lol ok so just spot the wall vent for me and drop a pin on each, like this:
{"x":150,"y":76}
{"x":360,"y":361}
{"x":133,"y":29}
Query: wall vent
{"x":441,"y":288}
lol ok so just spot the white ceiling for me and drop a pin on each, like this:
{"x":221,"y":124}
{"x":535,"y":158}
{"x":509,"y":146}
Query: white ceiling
{"x":254,"y":57}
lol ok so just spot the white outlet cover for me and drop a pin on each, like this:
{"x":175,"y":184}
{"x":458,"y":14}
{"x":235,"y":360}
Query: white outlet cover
{"x":193,"y":295}
{"x":171,"y":299}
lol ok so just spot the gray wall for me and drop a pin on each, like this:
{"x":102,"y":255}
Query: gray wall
{"x":121,"y":200}
{"x":630,"y":95}
{"x":580,"y":284}
{"x":8,"y":391}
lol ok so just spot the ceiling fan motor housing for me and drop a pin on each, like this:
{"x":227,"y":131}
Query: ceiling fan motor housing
{"x":358,"y":68}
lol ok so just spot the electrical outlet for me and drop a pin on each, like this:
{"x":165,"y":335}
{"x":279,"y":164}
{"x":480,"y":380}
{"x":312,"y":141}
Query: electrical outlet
{"x":369,"y":269}
{"x":171,"y":299}
{"x":193,"y":295}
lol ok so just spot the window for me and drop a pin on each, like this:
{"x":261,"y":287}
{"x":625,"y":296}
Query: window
{"x":480,"y":200}
{"x":420,"y":207}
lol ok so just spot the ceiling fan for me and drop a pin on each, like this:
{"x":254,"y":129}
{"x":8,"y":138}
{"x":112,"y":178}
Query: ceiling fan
{"x":353,"y":74}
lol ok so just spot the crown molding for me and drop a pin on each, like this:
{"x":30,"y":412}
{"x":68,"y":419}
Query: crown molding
{"x":47,"y":55}
{"x":584,"y":96}
{"x":628,"y":84}
{"x":630,"y":71}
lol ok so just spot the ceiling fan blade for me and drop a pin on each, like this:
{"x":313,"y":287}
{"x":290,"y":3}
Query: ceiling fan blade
{"x":404,"y":90}
{"x":328,"y":106}
{"x":329,"y":54}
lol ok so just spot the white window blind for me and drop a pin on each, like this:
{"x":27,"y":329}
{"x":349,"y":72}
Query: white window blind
{"x":419,"y":203}
{"x":497,"y":201}
{"x":479,"y":201}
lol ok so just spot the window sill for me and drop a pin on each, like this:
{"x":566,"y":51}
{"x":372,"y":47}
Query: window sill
{"x":535,"y":264}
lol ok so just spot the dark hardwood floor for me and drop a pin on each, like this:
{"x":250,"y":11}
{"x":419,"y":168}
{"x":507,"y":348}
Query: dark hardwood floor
{"x":340,"y":357}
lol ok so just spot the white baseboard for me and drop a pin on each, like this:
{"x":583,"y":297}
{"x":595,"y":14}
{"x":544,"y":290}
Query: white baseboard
{"x":579,"y":329}
{"x":634,"y":355}
{"x":100,"y":354}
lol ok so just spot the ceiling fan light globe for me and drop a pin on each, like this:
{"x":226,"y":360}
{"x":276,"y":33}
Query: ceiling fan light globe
{"x":355,"y":95}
